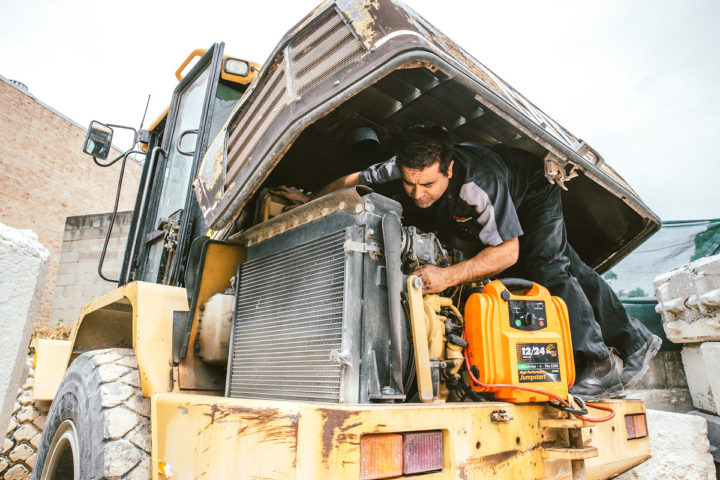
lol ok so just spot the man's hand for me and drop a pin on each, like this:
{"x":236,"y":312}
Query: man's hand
{"x":435,"y":279}
{"x":292,"y":195}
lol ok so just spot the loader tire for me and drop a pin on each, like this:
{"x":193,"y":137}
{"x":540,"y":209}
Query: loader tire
{"x":98,"y":426}
{"x":19,"y":448}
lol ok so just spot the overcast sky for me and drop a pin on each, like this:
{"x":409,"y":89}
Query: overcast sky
{"x":639,"y":80}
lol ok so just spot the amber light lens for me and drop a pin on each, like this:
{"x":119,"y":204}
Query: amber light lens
{"x":422,"y":452}
{"x":381,"y":456}
{"x":635,"y":426}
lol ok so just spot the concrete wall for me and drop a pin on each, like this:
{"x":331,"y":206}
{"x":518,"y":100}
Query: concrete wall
{"x":78,"y":281}
{"x":46,"y":177}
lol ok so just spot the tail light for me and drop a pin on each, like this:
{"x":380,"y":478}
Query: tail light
{"x":635,"y":426}
{"x":381,"y":456}
{"x":422,"y":452}
{"x":395,"y":454}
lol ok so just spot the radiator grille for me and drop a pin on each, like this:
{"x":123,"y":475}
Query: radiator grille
{"x":288,"y":320}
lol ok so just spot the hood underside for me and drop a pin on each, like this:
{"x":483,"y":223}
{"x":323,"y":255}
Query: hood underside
{"x":353,"y":65}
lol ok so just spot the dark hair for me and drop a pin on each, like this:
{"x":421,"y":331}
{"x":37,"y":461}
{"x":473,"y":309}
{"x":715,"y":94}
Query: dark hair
{"x":421,"y":146}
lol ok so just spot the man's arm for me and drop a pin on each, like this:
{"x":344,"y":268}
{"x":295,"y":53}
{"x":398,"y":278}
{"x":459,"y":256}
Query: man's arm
{"x":297,"y":198}
{"x":342,"y":182}
{"x":488,"y":262}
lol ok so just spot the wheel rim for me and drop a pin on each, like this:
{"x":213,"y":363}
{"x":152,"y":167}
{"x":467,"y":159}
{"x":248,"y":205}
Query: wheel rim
{"x":63,"y":461}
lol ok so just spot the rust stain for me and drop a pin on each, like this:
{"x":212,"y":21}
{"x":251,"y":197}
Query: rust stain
{"x":273,"y":425}
{"x":333,"y":419}
{"x":491,"y":463}
{"x":348,"y":427}
{"x":497,"y":458}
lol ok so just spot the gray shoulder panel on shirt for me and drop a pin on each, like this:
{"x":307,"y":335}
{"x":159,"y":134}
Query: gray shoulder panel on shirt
{"x":475,"y":196}
{"x":383,"y":172}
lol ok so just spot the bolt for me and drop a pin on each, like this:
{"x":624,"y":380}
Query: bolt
{"x":417,"y":282}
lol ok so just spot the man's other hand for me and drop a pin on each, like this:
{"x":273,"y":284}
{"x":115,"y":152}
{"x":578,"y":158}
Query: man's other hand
{"x":435,"y":279}
{"x":292,"y":195}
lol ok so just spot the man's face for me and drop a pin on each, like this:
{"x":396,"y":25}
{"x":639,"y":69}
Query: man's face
{"x":426,"y":186}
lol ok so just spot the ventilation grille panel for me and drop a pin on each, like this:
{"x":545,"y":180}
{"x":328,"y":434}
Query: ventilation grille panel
{"x":288,"y":320}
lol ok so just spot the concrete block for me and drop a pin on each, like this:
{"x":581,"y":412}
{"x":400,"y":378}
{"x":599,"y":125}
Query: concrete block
{"x":689,"y":301}
{"x":666,"y":371}
{"x":63,"y":280}
{"x":713,"y":426}
{"x":680,"y":449}
{"x":23,"y":263}
{"x":69,"y":257}
{"x":665,"y":399}
{"x":700,"y":362}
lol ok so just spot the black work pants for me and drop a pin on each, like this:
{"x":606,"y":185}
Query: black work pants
{"x":597,"y":318}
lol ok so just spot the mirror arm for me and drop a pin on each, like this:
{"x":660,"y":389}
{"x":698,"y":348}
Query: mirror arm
{"x":122,"y":155}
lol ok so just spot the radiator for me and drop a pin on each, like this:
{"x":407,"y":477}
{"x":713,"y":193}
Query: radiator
{"x":288,"y":324}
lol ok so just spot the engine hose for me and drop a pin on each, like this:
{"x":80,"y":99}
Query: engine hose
{"x":496,"y":386}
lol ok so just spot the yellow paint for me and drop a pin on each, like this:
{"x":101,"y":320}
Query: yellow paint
{"x":148,"y":318}
{"x":220,"y":264}
{"x":206,"y":437}
{"x":49,"y":367}
{"x":420,"y":341}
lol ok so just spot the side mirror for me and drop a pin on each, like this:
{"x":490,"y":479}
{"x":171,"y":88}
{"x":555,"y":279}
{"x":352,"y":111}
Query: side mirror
{"x":187,"y":142}
{"x":98,"y":140}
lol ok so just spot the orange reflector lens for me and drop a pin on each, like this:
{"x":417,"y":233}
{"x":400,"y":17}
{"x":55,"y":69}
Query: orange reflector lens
{"x":422,"y":452}
{"x":381,"y":456}
{"x":635,"y":426}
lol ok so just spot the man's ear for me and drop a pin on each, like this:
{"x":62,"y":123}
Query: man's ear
{"x":450,"y":170}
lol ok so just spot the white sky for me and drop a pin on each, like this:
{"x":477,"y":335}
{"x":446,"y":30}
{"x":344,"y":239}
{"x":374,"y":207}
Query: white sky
{"x":639,"y":80}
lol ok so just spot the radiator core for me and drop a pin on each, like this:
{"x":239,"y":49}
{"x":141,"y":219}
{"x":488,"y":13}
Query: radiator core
{"x":288,"y":325}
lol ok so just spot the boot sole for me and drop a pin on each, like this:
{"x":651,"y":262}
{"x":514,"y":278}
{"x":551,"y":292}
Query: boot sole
{"x":610,"y":392}
{"x":652,"y":351}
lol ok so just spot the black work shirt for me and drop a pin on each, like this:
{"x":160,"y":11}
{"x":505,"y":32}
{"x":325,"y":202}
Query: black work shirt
{"x":484,"y":195}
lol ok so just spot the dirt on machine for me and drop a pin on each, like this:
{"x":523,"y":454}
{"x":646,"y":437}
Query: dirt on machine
{"x":245,"y":340}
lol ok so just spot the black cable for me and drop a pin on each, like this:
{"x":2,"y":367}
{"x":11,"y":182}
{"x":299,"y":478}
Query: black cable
{"x":581,"y":403}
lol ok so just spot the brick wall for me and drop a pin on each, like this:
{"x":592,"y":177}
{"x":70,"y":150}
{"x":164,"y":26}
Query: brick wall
{"x":45,"y":177}
{"x":78,"y":281}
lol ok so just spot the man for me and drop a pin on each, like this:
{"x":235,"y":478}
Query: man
{"x":498,"y":200}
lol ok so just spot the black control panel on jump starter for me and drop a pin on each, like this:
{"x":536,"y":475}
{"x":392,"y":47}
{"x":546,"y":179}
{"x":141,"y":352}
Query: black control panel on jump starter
{"x":527,"y":314}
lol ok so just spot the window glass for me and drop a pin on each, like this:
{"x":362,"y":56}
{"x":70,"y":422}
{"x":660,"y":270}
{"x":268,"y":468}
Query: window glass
{"x":177,"y":173}
{"x":225,"y":101}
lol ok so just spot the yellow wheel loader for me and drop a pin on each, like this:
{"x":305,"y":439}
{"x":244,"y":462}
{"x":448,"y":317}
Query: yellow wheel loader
{"x":249,"y":341}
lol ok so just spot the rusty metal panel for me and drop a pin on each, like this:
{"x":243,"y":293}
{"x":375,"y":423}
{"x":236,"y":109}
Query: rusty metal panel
{"x":405,"y":71}
{"x":206,"y":437}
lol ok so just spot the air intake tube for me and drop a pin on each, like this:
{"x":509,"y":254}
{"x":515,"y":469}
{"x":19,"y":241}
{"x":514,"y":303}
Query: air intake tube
{"x":392,"y":238}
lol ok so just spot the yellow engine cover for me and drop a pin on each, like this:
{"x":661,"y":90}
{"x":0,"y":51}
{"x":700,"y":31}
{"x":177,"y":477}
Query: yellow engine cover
{"x":519,"y":340}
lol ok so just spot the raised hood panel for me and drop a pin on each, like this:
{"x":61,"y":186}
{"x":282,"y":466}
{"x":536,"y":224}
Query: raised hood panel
{"x":378,"y":64}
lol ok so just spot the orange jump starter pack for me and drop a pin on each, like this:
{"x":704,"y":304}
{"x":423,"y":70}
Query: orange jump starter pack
{"x":519,"y":341}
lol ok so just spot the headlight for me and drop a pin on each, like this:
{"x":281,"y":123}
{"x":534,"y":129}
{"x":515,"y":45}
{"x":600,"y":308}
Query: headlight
{"x":235,"y":66}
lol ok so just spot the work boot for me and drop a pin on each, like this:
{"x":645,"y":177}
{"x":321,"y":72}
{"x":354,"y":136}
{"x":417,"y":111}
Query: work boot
{"x":601,"y":382}
{"x":638,"y":363}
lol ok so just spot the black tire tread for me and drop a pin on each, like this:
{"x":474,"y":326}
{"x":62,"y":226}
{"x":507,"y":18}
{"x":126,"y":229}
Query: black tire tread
{"x":120,"y":441}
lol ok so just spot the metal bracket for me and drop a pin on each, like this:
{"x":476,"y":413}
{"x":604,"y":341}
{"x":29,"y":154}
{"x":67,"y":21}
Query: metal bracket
{"x":556,"y":172}
{"x":583,"y":149}
{"x":354,"y":246}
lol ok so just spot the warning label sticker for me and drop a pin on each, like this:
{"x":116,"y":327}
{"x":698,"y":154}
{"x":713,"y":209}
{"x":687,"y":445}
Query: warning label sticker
{"x":537,"y":362}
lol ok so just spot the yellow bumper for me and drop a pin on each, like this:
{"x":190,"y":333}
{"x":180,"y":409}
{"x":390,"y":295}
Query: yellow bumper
{"x":207,"y":437}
